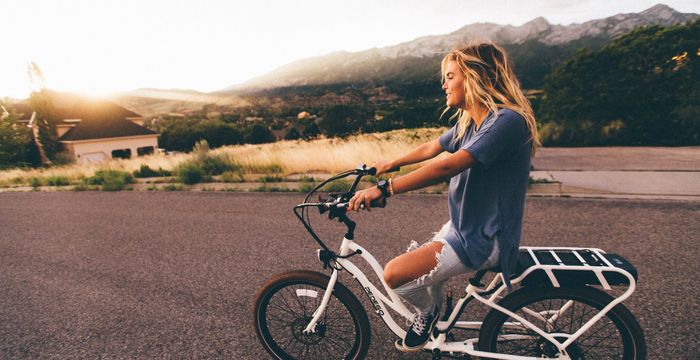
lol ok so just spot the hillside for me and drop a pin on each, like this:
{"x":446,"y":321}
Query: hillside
{"x":152,"y":102}
{"x":406,"y":72}
{"x":416,"y":61}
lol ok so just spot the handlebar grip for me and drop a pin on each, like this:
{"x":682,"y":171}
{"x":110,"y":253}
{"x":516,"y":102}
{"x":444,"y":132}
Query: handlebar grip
{"x":373,"y":170}
{"x":377,"y":203}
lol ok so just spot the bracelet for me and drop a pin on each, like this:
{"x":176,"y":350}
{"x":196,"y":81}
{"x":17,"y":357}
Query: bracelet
{"x":391,"y":188}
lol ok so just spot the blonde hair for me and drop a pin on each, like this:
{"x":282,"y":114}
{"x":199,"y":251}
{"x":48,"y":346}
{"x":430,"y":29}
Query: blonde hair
{"x":490,"y":82}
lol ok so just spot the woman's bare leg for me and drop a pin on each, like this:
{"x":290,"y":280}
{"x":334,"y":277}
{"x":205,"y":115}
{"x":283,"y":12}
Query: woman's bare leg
{"x":412,"y":265}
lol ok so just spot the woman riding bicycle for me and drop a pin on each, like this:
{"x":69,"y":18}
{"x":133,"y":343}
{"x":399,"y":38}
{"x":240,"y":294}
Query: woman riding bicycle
{"x":491,"y":146}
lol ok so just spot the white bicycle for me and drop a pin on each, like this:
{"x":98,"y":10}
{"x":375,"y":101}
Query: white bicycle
{"x":557,"y":312}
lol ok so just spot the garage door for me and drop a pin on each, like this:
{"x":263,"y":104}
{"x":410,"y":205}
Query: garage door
{"x":92,"y":157}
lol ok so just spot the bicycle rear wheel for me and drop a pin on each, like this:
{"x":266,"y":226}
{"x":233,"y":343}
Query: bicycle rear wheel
{"x":562,"y":311}
{"x":285,"y":305}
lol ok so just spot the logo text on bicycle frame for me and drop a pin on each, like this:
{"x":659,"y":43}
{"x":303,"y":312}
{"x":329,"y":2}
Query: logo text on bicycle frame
{"x":375,"y":303}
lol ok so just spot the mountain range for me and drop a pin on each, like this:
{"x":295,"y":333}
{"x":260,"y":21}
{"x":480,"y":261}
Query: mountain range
{"x":411,"y":69}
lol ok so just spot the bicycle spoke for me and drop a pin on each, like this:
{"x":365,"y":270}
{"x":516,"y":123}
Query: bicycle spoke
{"x":600,"y":341}
{"x":286,"y":319}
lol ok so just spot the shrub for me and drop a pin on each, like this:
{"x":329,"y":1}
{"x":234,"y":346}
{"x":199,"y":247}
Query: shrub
{"x":271,"y":179}
{"x":190,"y":173}
{"x":57,"y":180}
{"x":111,"y":180}
{"x":266,"y":188}
{"x":217,"y":165}
{"x":34,"y":182}
{"x":82,"y":187}
{"x":145,"y":171}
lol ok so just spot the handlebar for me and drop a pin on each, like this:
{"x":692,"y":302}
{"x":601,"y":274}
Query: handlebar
{"x":337,"y":203}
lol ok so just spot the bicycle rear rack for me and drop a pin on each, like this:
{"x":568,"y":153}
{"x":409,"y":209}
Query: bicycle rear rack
{"x":573,"y":266}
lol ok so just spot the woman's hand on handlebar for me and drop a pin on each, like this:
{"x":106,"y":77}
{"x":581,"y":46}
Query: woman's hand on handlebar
{"x":383,"y":167}
{"x":364,"y":197}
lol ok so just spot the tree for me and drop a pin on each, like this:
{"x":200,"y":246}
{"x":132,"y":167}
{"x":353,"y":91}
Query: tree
{"x":15,"y":142}
{"x":44,"y":125}
{"x":218,"y":133}
{"x":340,"y":120}
{"x":310,"y":131}
{"x":181,"y":134}
{"x":293,"y":134}
{"x":641,"y":89}
{"x":259,"y":134}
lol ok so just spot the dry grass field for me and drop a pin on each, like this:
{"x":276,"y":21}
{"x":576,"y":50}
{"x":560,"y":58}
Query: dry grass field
{"x":288,"y":157}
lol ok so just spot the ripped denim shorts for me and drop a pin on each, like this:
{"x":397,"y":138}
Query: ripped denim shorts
{"x":426,"y":291}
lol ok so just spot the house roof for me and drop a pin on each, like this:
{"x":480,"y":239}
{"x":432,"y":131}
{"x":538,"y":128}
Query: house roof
{"x":99,"y":118}
{"x":22,"y":109}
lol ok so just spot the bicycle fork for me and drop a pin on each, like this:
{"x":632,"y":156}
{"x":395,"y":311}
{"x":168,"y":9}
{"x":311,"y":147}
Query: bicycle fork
{"x":311,"y":328}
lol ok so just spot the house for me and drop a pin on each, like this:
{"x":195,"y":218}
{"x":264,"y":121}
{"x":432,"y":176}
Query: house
{"x":92,"y":130}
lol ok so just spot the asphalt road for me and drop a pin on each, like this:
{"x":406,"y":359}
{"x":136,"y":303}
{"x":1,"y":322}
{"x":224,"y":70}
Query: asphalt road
{"x":173,"y":274}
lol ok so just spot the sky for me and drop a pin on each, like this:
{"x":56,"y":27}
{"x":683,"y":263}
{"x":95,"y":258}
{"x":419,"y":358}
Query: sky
{"x":102,"y":46}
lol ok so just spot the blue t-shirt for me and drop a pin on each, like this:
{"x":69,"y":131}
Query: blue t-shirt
{"x":487,"y":200}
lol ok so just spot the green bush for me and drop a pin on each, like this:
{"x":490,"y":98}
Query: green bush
{"x":190,"y":173}
{"x":217,"y":165}
{"x":145,"y":171}
{"x":110,"y":180}
{"x":266,"y":188}
{"x":203,"y":166}
{"x":57,"y":180}
{"x":83,"y":187}
{"x":35,"y":182}
{"x":271,"y":179}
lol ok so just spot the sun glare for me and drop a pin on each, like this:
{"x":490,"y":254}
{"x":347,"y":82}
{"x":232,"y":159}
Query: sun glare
{"x":99,"y":47}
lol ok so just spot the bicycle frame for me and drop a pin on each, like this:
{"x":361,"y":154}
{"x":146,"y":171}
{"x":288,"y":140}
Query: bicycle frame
{"x":488,"y":296}
{"x":495,"y":290}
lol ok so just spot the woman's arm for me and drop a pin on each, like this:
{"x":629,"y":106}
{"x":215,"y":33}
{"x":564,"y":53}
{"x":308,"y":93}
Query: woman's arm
{"x":425,"y":176}
{"x":425,"y":151}
{"x":434,"y":173}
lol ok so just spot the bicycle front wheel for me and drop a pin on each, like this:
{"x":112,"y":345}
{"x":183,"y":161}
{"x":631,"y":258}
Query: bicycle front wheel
{"x":561,"y":312}
{"x":285,"y":305}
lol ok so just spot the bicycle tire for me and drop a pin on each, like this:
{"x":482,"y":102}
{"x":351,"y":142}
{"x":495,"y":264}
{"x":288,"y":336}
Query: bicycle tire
{"x":625,"y":341}
{"x":279,"y":324}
